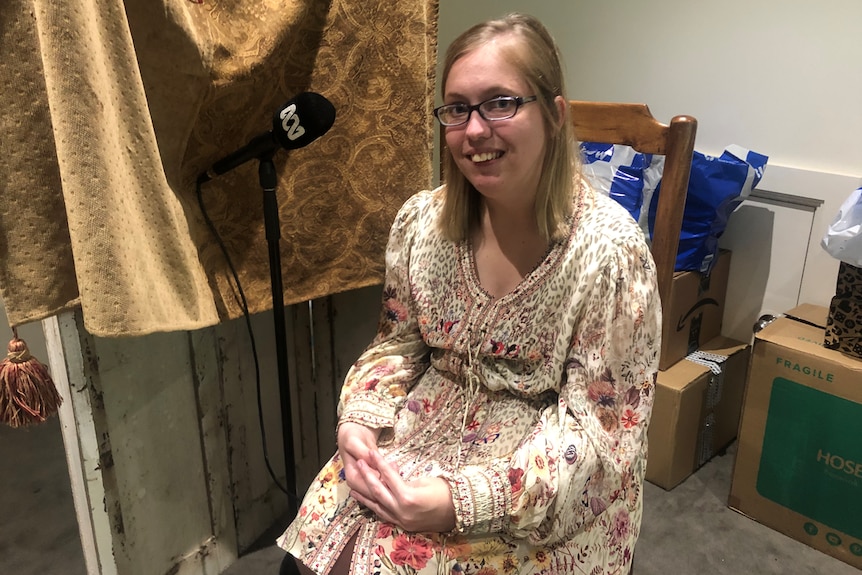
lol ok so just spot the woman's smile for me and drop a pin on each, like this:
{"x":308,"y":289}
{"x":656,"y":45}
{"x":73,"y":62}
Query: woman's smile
{"x":484,"y":157}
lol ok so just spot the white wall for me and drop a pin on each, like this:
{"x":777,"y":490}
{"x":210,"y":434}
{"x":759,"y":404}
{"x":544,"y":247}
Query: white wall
{"x":782,"y":77}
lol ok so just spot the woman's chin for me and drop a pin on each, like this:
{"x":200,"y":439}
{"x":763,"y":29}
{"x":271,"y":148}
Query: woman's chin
{"x":486,"y":185}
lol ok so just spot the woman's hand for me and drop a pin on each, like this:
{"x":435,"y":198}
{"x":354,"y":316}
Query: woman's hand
{"x":423,"y":504}
{"x":355,"y":443}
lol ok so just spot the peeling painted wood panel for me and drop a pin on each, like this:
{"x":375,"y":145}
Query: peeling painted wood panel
{"x":218,"y":552}
{"x":147,"y":390}
{"x":171,"y":469}
{"x":258,"y":502}
{"x":146,"y":446}
{"x":80,"y":437}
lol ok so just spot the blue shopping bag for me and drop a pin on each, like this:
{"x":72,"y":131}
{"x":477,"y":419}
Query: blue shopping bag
{"x":717,"y":186}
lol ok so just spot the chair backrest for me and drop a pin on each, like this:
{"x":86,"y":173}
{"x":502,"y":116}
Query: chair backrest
{"x":635,"y":126}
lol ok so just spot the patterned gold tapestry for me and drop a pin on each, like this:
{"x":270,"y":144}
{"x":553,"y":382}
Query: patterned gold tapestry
{"x":110,"y":109}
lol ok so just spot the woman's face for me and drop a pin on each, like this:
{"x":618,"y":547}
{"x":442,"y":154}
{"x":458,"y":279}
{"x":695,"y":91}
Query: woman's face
{"x":502,"y":158}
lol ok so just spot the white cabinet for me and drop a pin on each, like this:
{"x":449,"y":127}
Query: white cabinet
{"x":775,"y":236}
{"x":768,"y":242}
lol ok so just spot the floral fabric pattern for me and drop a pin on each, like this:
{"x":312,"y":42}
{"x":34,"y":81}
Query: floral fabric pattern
{"x":533,"y":406}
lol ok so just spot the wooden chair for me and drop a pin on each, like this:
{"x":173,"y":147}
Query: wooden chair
{"x":635,"y":126}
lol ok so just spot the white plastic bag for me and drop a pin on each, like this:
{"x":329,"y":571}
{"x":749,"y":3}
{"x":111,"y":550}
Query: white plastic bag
{"x":843,"y":239}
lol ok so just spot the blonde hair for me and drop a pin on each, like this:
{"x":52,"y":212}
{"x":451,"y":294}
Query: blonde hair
{"x":535,"y":54}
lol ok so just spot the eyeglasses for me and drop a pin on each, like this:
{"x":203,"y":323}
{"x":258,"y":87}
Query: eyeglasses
{"x":499,"y":108}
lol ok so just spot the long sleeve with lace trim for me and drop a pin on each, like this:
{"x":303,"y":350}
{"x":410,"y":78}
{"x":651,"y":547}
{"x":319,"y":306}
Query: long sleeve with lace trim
{"x":377,"y":383}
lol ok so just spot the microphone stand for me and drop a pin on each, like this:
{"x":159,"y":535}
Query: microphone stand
{"x":268,"y":183}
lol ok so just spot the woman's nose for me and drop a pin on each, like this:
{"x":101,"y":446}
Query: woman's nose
{"x":477,"y":126}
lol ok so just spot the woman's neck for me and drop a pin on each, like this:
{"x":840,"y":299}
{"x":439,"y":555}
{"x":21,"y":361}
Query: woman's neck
{"x":510,"y":224}
{"x":507,"y":246}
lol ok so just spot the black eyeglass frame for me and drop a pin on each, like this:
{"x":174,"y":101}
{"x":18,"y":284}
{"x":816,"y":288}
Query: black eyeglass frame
{"x":518,"y":100}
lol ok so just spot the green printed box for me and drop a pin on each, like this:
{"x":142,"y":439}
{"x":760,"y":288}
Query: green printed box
{"x":812,"y":442}
{"x":798,"y":467}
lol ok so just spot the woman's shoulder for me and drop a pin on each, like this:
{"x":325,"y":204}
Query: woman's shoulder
{"x":606,"y":217}
{"x":420,"y":209}
{"x":606,"y":227}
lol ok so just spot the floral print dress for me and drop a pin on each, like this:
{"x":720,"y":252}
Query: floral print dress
{"x":533,"y":406}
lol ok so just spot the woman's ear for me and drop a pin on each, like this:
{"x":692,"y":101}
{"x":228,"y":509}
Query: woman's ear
{"x":562,"y":109}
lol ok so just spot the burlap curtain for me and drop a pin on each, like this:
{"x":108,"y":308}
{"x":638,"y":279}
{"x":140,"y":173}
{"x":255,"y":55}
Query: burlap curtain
{"x":110,"y":109}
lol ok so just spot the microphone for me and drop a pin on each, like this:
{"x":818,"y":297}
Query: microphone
{"x":303,"y":119}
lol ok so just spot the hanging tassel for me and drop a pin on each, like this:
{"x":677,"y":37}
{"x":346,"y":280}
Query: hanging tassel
{"x":27,"y":392}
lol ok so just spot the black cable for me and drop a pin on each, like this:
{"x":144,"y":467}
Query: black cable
{"x":247,"y":317}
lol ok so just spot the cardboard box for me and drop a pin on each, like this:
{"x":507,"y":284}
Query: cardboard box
{"x":696,"y":411}
{"x":798,"y":466}
{"x":694,"y":313}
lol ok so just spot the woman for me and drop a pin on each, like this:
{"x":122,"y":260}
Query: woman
{"x":497,"y":422}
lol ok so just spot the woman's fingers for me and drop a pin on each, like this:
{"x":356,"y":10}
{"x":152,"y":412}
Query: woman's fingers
{"x":376,"y":495}
{"x":422,"y":504}
{"x":379,"y":488}
{"x":390,"y":494}
{"x":387,"y":473}
{"x":355,"y":442}
{"x":380,"y":511}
